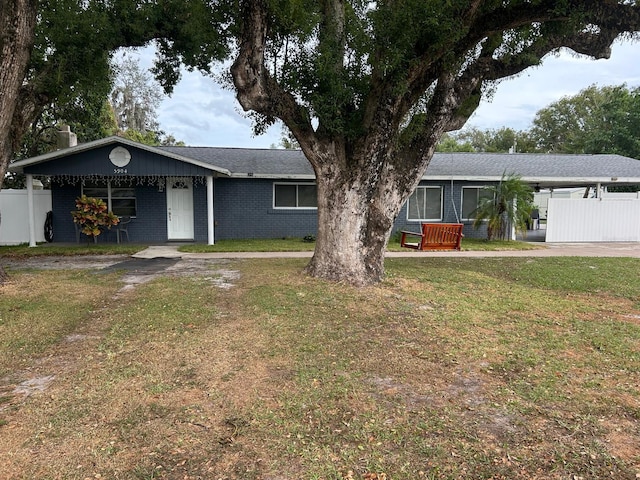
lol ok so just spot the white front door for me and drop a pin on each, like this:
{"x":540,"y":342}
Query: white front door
{"x":179,"y":209}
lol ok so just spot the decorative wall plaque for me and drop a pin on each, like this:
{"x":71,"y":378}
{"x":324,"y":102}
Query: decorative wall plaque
{"x":120,"y":157}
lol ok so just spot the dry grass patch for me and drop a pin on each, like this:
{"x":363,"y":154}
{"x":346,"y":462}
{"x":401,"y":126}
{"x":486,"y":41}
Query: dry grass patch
{"x":39,"y":310}
{"x":449,"y":369}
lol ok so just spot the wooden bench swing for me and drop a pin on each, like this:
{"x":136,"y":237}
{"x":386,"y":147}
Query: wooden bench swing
{"x":434,"y":236}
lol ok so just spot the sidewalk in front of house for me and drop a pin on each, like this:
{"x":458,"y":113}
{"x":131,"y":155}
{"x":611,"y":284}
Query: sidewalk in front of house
{"x":630,"y":249}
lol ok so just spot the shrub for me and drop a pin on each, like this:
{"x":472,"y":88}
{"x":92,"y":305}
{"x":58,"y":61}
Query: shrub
{"x":92,"y":216}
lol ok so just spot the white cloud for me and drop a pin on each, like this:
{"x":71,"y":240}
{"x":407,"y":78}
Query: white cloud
{"x":517,"y":100}
{"x":201,"y":113}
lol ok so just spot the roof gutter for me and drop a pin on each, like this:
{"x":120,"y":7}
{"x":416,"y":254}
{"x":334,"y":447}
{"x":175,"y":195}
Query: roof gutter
{"x":537,"y":180}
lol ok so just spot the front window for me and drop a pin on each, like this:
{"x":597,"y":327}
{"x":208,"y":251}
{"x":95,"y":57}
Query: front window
{"x":121,"y":199}
{"x":295,"y":195}
{"x":471,"y":197}
{"x":425,"y":204}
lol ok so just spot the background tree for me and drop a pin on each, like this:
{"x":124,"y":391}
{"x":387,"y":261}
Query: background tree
{"x":124,"y":103}
{"x":507,"y":204}
{"x":135,"y":98}
{"x":89,"y":118}
{"x":501,"y":140}
{"x":287,"y":141}
{"x":369,"y":88}
{"x":453,"y":143}
{"x":597,"y":120}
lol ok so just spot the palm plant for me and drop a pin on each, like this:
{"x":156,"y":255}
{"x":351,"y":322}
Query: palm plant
{"x":509,"y":203}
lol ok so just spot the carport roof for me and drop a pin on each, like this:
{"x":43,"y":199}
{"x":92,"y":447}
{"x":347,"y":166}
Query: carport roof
{"x":543,"y":170}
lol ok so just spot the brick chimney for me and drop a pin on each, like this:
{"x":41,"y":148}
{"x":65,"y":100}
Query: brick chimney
{"x":66,"y":138}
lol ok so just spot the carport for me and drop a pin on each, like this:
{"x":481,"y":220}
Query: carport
{"x":601,"y":216}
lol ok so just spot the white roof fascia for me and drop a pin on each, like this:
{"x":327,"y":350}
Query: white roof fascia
{"x":272,"y":176}
{"x":557,"y":180}
{"x":20,"y":164}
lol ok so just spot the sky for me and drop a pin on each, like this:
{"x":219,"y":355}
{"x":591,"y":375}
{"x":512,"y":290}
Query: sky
{"x":201,"y":113}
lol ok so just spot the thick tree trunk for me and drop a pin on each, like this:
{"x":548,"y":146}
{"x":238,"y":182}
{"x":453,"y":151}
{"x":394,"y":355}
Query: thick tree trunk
{"x":348,"y":247}
{"x":356,"y":213}
{"x":17,"y":27}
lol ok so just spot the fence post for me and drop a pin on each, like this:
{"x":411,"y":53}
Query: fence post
{"x":31,"y":212}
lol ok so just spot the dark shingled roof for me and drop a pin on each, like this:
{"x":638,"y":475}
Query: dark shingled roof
{"x":243,"y":161}
{"x":541,"y":168}
{"x":544,"y":169}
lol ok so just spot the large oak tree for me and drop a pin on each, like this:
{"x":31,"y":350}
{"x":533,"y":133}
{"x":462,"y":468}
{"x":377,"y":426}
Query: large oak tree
{"x":368,"y":89}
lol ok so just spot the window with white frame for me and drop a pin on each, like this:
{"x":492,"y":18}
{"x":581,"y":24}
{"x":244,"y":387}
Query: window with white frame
{"x":425,"y":204}
{"x":471,"y":197}
{"x":120,"y":199}
{"x":295,"y":195}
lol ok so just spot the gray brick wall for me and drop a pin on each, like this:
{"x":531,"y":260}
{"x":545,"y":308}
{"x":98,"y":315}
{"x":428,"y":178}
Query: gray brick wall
{"x":200,"y":229}
{"x":243,"y":209}
{"x":150,"y":224}
{"x":452,"y":204}
{"x":63,"y":202}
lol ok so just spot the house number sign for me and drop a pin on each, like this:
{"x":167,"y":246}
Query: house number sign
{"x":120,"y":157}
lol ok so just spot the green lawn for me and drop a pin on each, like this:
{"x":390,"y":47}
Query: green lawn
{"x":512,"y":368}
{"x":249,"y":245}
{"x":298,"y":244}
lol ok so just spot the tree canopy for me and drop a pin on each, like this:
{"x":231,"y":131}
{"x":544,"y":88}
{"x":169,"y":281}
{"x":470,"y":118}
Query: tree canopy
{"x":503,"y":139}
{"x":596,"y":120}
{"x":55,"y":54}
{"x":135,"y":97}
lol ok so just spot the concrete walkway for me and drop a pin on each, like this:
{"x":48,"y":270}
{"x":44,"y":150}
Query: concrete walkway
{"x":631,"y":249}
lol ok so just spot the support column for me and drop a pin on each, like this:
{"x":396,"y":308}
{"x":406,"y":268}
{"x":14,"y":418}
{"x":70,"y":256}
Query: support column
{"x":30,"y":208}
{"x":210,"y":212}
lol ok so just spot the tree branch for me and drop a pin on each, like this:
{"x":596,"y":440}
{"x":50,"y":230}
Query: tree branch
{"x":595,"y":42}
{"x":256,"y":89}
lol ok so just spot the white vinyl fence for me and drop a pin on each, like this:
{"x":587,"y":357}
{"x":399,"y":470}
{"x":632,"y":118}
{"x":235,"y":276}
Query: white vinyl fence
{"x":593,"y":220}
{"x":14,"y":225}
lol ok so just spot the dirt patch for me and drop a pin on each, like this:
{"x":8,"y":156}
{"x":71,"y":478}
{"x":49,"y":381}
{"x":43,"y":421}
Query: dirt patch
{"x":135,"y":270}
{"x":32,"y":385}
